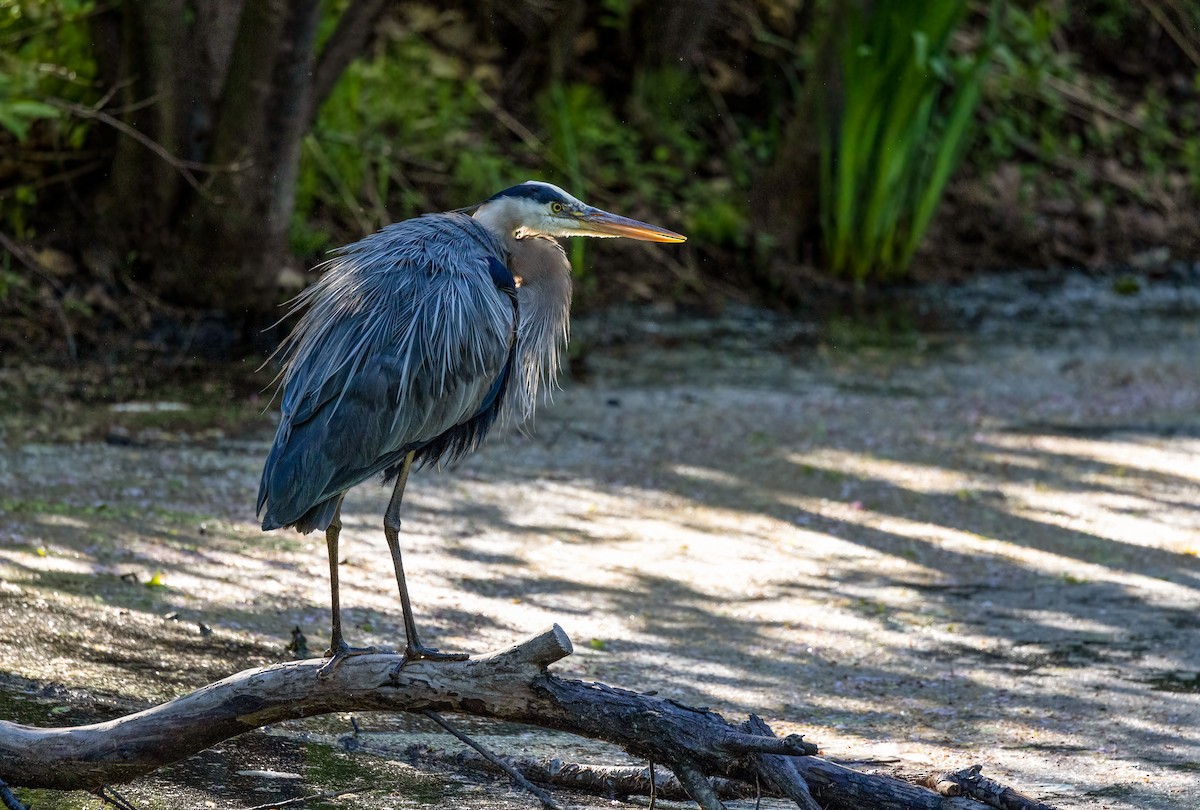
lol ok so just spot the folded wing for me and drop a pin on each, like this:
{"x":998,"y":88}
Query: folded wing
{"x":406,"y":345}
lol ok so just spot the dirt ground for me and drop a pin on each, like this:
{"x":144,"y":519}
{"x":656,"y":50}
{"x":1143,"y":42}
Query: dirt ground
{"x":925,"y":550}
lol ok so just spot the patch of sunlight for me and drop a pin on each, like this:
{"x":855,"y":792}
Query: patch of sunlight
{"x":1180,"y":460}
{"x":52,"y":562}
{"x":1108,"y":515}
{"x":826,"y":545}
{"x":149,"y":407}
{"x":706,"y":474}
{"x":840,"y":702}
{"x":1072,"y":622}
{"x":911,"y":475}
{"x":49,"y":519}
{"x":948,"y":538}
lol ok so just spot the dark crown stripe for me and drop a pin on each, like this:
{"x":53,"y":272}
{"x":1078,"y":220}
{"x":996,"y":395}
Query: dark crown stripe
{"x":530,"y":191}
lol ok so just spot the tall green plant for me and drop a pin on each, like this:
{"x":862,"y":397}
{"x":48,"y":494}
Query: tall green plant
{"x":891,"y":141}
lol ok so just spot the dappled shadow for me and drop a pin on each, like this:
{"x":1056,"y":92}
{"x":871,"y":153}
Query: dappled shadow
{"x":925,"y":566}
{"x":1012,"y":548}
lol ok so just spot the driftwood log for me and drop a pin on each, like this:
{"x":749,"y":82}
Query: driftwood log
{"x":512,"y":685}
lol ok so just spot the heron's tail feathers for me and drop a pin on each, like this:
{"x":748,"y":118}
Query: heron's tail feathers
{"x":318,"y":517}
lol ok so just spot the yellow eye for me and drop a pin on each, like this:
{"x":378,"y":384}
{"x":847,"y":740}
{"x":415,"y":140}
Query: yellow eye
{"x":556,"y":208}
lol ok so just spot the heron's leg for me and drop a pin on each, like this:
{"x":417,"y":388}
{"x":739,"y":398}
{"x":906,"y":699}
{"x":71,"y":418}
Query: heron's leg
{"x":413,"y":649}
{"x":338,"y":649}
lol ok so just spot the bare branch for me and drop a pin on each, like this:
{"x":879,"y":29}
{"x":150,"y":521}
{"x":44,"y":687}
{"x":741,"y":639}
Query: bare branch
{"x":1174,"y":31}
{"x":184,"y":167}
{"x":779,"y":771}
{"x":34,"y":265}
{"x":316,"y":797}
{"x":610,"y":781}
{"x":698,"y":786}
{"x":8,"y":799}
{"x":513,"y":773}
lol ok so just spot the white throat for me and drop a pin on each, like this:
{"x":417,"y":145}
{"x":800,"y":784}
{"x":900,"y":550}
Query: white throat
{"x":510,"y":217}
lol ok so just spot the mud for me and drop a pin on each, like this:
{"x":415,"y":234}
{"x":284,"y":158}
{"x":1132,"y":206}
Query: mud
{"x":921,"y":548}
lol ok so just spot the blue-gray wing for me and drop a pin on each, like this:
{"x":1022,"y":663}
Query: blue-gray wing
{"x":407,"y":338}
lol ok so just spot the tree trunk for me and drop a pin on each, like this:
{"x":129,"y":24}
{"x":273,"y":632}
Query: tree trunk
{"x":785,"y":202}
{"x":141,"y":48}
{"x":236,"y":231}
{"x":225,"y":90}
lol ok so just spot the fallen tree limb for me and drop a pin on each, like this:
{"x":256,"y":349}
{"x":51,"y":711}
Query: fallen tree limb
{"x":511,"y":685}
{"x":609,"y":781}
{"x":970,"y":782}
{"x":780,"y":772}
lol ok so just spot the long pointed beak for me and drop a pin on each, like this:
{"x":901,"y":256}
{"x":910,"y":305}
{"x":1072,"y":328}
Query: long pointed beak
{"x":594,"y":222}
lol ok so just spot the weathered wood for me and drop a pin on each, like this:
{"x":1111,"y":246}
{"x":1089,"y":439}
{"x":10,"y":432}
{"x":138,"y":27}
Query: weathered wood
{"x":84,"y":757}
{"x":7,"y":798}
{"x":609,"y":781}
{"x":512,"y":685}
{"x":779,"y":771}
{"x":971,"y":783}
{"x":836,"y":787}
{"x":698,"y":787}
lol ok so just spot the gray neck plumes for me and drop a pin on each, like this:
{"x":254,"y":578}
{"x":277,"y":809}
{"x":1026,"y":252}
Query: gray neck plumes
{"x":544,"y":298}
{"x":543,"y":295}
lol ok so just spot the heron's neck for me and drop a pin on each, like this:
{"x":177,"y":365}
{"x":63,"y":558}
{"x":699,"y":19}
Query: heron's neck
{"x":545,"y":304}
{"x":503,"y":217}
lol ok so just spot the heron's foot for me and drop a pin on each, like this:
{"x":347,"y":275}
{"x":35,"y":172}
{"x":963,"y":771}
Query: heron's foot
{"x":337,"y":653}
{"x":417,"y":652}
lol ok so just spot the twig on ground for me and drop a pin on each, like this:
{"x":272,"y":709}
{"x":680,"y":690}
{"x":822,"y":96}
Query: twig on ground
{"x":316,"y":797}
{"x":514,"y":774}
{"x":9,"y":799}
{"x":653,"y":788}
{"x":108,"y":795}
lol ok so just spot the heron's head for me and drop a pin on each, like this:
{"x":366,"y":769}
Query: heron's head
{"x":541,"y":209}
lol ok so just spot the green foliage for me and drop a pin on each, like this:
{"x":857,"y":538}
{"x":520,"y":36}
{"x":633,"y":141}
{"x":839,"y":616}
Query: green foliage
{"x":1048,"y":106}
{"x":397,"y":119}
{"x":45,"y":53}
{"x":16,"y":113}
{"x":1026,"y":62}
{"x":719,"y":219}
{"x":657,"y":153}
{"x":446,"y":109}
{"x":375,"y":152}
{"x":905,"y":119}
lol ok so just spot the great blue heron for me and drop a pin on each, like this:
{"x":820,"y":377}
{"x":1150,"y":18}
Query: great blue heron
{"x":416,"y":340}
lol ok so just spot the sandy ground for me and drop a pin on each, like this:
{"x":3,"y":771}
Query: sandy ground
{"x":955,"y":550}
